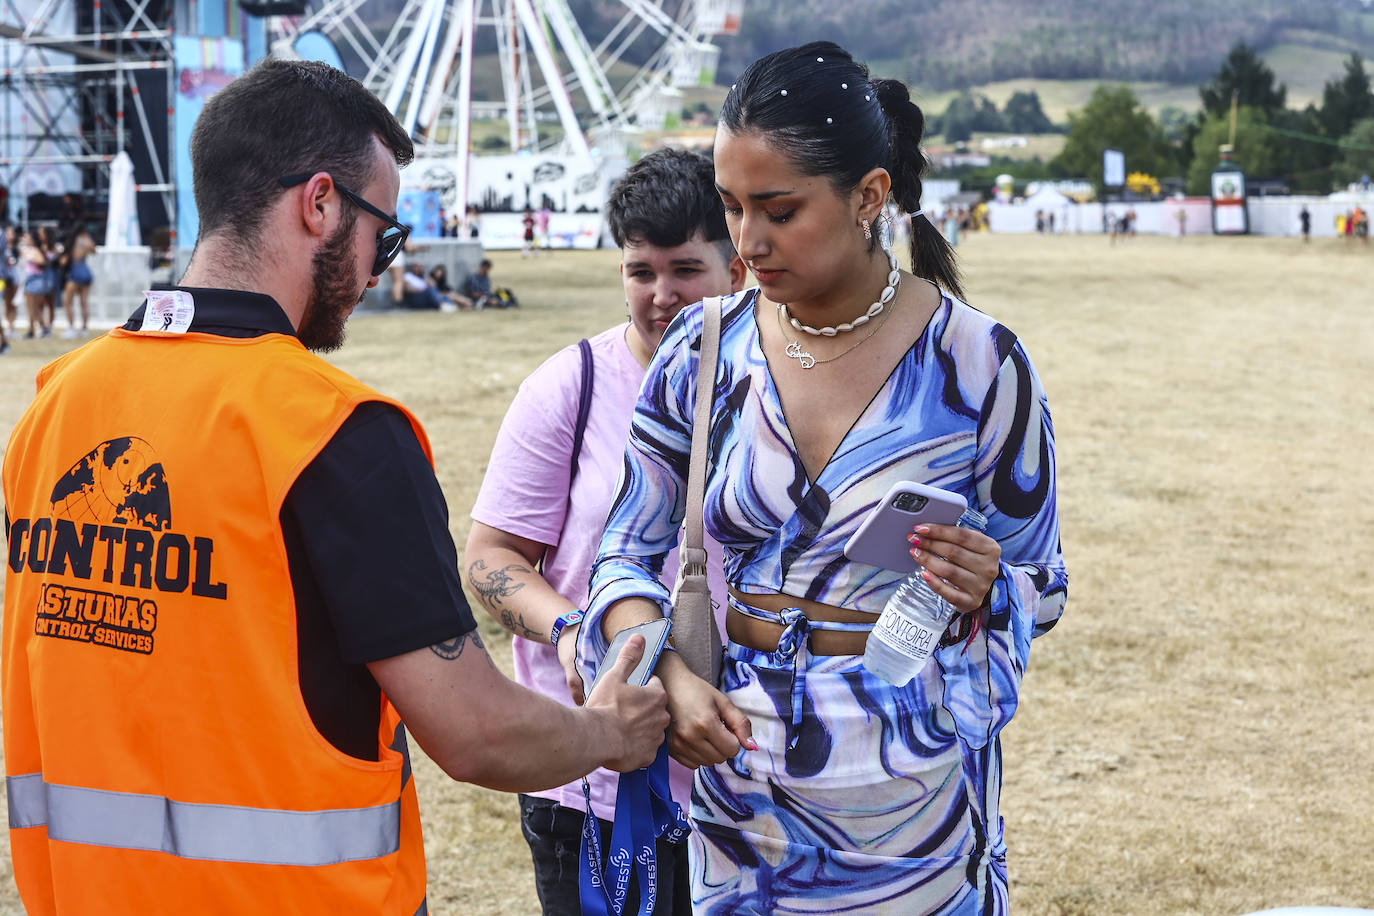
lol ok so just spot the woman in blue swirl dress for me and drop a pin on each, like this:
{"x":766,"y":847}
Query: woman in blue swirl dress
{"x":819,"y":788}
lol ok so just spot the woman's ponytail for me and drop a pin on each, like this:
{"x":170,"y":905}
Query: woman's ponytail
{"x":932,"y":257}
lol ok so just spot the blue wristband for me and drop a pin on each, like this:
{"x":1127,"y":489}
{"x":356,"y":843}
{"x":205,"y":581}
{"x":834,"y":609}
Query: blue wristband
{"x":572,"y":618}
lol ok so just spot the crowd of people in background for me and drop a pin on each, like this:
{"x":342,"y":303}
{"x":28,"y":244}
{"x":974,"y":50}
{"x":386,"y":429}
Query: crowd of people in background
{"x":1119,"y":226}
{"x":954,"y":221}
{"x":1353,"y":224}
{"x":413,"y":288}
{"x":48,"y":265}
{"x":467,"y":225}
{"x":534,"y":237}
{"x":48,"y":268}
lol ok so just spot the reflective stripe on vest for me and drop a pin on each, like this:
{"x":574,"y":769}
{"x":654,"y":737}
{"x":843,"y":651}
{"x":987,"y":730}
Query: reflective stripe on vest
{"x":222,"y":833}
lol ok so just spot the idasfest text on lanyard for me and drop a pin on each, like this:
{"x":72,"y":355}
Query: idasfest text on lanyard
{"x":644,"y":811}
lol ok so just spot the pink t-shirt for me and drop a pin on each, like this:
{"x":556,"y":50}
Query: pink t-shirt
{"x":525,"y":492}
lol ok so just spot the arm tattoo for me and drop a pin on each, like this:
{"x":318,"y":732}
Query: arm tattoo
{"x":450,"y":649}
{"x":497,"y":584}
{"x":494,"y":586}
{"x":516,"y":624}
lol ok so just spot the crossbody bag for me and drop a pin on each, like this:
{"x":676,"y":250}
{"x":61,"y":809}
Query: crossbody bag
{"x":695,"y":634}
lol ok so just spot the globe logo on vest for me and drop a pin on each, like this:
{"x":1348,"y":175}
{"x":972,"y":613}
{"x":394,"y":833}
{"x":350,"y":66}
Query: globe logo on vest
{"x":111,"y":523}
{"x":120,"y":482}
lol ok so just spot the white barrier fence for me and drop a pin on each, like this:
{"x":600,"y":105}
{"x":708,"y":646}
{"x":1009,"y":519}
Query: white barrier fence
{"x":1268,"y":215}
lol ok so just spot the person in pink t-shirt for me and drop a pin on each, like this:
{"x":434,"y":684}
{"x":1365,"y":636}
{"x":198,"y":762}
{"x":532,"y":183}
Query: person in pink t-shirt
{"x":534,"y":536}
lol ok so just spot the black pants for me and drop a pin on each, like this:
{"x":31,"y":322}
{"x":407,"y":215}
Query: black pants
{"x":554,"y":834}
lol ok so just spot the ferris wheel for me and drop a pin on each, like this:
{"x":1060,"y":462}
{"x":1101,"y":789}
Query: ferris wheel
{"x":422,"y":67}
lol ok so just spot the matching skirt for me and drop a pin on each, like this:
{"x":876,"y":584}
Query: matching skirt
{"x":860,"y":798}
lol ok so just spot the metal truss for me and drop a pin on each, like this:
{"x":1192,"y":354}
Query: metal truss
{"x":70,"y":74}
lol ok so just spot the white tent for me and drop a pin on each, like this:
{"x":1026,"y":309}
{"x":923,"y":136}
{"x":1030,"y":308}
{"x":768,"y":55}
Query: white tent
{"x":1020,"y":216}
{"x":121,"y":225}
{"x":1048,"y":199}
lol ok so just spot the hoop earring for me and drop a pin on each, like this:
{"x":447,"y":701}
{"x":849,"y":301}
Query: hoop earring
{"x":868,"y":231}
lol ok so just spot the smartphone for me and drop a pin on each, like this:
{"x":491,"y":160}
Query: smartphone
{"x":881,"y":539}
{"x":655,"y":634}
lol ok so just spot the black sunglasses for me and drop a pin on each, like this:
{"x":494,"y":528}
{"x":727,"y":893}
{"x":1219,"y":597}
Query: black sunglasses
{"x":389,"y":243}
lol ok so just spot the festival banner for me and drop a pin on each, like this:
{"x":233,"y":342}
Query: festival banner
{"x":573,"y":189}
{"x":204,"y":66}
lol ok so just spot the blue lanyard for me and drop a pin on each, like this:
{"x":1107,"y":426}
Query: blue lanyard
{"x":644,"y":811}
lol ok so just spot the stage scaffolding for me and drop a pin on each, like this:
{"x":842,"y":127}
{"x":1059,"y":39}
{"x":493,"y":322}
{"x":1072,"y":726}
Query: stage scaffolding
{"x":80,"y":82}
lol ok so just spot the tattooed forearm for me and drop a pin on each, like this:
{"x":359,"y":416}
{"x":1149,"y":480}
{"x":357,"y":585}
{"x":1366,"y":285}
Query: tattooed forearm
{"x":494,"y":586}
{"x":516,"y":624}
{"x":452,"y":648}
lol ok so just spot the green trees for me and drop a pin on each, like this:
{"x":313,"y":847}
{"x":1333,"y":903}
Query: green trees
{"x":1271,"y":139}
{"x":1246,"y":75}
{"x":1258,"y":151}
{"x":1347,"y":100}
{"x":968,"y":112}
{"x":1357,"y":153}
{"x":972,"y":112}
{"x":1307,"y":165}
{"x":1023,"y":114}
{"x":1114,"y":119}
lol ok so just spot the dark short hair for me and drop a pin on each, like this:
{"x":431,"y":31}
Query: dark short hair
{"x":281,"y":118}
{"x":485,"y":263}
{"x":666,"y":198}
{"x":818,"y":106}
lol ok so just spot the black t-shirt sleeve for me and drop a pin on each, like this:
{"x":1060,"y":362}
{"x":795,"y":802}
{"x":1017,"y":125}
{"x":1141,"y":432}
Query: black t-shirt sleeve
{"x":373,"y":528}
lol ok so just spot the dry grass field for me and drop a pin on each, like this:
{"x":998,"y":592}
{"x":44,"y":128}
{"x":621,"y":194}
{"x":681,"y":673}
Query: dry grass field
{"x":1195,"y":736}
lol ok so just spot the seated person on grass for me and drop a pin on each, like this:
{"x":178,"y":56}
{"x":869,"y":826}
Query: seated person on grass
{"x":438,"y":278}
{"x":477,"y":287}
{"x":418,"y":294}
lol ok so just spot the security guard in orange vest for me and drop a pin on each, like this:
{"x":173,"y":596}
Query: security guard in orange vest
{"x":229,"y":572}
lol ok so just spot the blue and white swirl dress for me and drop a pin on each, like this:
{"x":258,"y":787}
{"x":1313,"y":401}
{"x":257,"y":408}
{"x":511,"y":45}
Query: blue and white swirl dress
{"x":862,"y":797}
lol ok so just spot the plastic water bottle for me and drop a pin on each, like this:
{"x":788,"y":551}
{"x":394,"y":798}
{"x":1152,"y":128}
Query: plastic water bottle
{"x":907,"y":631}
{"x":911,"y":624}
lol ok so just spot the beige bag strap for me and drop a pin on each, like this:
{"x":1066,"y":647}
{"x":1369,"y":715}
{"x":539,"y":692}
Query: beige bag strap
{"x":693,"y":551}
{"x":695,"y":635}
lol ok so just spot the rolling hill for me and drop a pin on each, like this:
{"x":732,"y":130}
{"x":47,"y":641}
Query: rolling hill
{"x":953,"y":44}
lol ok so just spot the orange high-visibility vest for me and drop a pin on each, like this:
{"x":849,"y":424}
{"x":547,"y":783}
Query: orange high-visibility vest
{"x":159,"y":755}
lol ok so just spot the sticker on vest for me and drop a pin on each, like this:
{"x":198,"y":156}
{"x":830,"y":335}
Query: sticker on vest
{"x":169,"y":310}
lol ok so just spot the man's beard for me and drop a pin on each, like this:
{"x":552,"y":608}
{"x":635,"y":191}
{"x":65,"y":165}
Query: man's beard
{"x":334,"y":291}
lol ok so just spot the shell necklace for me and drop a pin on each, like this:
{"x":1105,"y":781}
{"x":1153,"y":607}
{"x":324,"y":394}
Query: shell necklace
{"x":894,"y":277}
{"x":798,"y":352}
